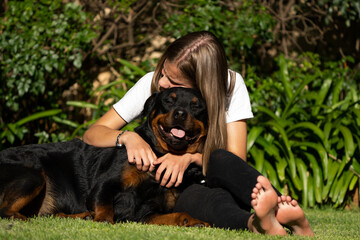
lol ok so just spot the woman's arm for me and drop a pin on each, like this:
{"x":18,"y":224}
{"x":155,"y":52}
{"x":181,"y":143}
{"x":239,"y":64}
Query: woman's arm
{"x":105,"y":132}
{"x":237,"y":138}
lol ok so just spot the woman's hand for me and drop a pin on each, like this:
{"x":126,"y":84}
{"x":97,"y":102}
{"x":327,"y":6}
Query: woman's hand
{"x":139,"y":152}
{"x":174,"y":167}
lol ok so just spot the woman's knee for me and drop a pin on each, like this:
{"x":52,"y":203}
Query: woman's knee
{"x":221,"y":160}
{"x":216,"y":159}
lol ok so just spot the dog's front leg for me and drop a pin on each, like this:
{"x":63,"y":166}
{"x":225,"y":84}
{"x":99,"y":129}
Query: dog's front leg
{"x":101,"y":201}
{"x":176,"y":219}
{"x":104,"y":213}
{"x":83,"y":215}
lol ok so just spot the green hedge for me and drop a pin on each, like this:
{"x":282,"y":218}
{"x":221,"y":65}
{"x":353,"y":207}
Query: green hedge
{"x":42,"y":42}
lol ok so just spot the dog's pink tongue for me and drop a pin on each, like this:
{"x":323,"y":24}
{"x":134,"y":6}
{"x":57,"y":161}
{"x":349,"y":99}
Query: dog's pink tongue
{"x":177,"y":132}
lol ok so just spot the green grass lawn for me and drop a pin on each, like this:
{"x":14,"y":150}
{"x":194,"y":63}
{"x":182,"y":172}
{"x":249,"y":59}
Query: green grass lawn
{"x":327,"y":224}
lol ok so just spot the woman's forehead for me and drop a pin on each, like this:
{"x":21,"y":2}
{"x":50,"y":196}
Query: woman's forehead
{"x":174,"y":74}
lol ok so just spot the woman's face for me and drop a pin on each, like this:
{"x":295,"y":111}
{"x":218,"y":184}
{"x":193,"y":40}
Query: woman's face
{"x":172,"y":77}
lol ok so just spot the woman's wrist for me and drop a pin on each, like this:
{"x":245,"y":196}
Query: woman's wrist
{"x":196,"y":158}
{"x":118,"y":142}
{"x":122,"y":138}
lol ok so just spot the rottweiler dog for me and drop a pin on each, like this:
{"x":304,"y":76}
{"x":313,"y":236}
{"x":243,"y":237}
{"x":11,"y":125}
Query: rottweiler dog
{"x":74,"y":179}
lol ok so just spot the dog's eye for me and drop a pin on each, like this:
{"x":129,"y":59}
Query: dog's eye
{"x":170,"y":100}
{"x":195,"y":106}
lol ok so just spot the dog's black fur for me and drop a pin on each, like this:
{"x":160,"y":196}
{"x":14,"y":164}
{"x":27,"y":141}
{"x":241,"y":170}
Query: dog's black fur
{"x":74,"y":179}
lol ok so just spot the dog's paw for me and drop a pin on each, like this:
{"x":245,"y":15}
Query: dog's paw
{"x":104,"y":219}
{"x":17,"y":216}
{"x":187,"y":221}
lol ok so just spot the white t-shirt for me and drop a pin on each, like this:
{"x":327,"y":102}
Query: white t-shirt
{"x":132,"y":104}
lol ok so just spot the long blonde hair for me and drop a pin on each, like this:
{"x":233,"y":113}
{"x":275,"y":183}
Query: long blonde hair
{"x":200,"y":57}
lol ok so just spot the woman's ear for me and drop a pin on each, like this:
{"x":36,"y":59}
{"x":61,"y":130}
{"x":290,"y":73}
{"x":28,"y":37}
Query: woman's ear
{"x":149,"y":105}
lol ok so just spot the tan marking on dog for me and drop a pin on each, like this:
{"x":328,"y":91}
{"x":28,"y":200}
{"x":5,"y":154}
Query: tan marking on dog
{"x":82,"y":215}
{"x":194,"y":100}
{"x":176,"y":219}
{"x":162,"y":146}
{"x":171,"y":195}
{"x":48,"y":204}
{"x":104,"y":214}
{"x":13,"y":206}
{"x":132,"y":177}
{"x":198,"y":145}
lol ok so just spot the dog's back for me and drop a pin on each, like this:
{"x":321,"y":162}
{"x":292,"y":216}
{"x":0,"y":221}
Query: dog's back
{"x":66,"y":171}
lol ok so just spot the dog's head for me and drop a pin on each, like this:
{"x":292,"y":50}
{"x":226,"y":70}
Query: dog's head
{"x":176,"y":121}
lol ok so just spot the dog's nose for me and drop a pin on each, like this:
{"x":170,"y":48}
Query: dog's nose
{"x":180,"y":114}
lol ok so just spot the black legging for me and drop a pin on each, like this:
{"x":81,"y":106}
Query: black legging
{"x":225,"y":201}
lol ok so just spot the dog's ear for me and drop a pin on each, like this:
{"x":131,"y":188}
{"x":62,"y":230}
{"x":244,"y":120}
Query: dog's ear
{"x":149,"y":105}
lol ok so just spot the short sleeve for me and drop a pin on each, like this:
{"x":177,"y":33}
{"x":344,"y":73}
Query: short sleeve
{"x":240,"y":107}
{"x":131,"y":105}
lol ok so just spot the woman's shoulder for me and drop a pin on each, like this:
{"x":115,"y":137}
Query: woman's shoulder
{"x":236,"y":79}
{"x":147,"y":77}
{"x":144,"y":83}
{"x":235,"y":74}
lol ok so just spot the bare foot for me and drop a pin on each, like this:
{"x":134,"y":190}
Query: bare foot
{"x":264,"y":203}
{"x":290,"y":214}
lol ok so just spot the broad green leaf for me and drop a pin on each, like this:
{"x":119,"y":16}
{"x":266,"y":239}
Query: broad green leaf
{"x":307,"y":125}
{"x":82,"y":104}
{"x":271,"y":174}
{"x":336,"y":90}
{"x":335,"y":188}
{"x":304,"y":180}
{"x":344,"y":188}
{"x":292,"y":190}
{"x":253,"y":135}
{"x":284,"y":76}
{"x":327,"y":130}
{"x":288,"y":152}
{"x":296,"y":181}
{"x":258,"y":156}
{"x":342,"y":166}
{"x":281,"y":165}
{"x":333,"y":168}
{"x":349,"y":141}
{"x":357,"y":138}
{"x":294,"y":98}
{"x":271,"y":149}
{"x":268,"y":112}
{"x":355,"y":164}
{"x":353,"y":182}
{"x":133,"y":67}
{"x":38,"y":115}
{"x":357,"y":118}
{"x":321,"y":96}
{"x":311,"y":191}
{"x":109,"y":85}
{"x":296,"y":110}
{"x":322,"y":154}
{"x":338,"y":105}
{"x":317,"y":179}
{"x":66,"y":122}
{"x":10,"y":136}
{"x":12,"y":127}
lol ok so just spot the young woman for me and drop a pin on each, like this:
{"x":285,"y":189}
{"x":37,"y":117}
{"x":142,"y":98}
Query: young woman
{"x":197,"y":60}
